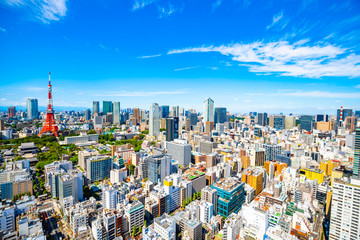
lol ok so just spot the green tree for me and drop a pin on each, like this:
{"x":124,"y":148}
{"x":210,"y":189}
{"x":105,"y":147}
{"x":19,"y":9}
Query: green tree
{"x":183,"y":204}
{"x":134,"y":231}
{"x":140,"y":229}
{"x":145,"y":224}
{"x":194,"y":197}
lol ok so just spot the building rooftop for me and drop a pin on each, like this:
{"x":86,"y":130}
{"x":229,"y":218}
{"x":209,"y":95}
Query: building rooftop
{"x":227,"y":184}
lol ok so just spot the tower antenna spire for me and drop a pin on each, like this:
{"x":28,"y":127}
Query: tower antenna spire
{"x":50,"y":125}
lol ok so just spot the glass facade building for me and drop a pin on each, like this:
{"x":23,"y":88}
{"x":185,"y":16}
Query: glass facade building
{"x":231,"y":195}
{"x":220,"y":115}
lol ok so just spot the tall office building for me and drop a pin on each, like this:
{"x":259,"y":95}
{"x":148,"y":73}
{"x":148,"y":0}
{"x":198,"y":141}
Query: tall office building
{"x":96,"y":107}
{"x":231,"y":195}
{"x":11,"y":112}
{"x":210,"y":195}
{"x":176,"y":127}
{"x":193,"y":119}
{"x":279,"y":122}
{"x":154,"y":120}
{"x":109,"y":198}
{"x":98,"y":167}
{"x":356,"y":169}
{"x":306,"y":122}
{"x":87,"y":114}
{"x":32,"y":108}
{"x":262,"y":119}
{"x":170,"y":129}
{"x":346,"y":113}
{"x":321,"y":118}
{"x":220,"y":115}
{"x":116,"y":112}
{"x":345,"y":211}
{"x":136,"y":115}
{"x":159,"y":166}
{"x":271,"y":151}
{"x":107,"y":107}
{"x":165,"y":111}
{"x":181,"y":152}
{"x":208,"y":110}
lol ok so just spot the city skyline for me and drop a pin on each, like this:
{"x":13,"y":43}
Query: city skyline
{"x":265,"y":57}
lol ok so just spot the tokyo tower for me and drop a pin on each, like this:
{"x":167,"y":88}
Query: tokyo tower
{"x":49,"y":125}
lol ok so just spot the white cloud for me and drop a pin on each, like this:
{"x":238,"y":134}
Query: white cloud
{"x":246,"y":101}
{"x":357,"y":86}
{"x":276,"y":19}
{"x":45,"y":10}
{"x":299,"y":59}
{"x":186,"y":68}
{"x":3,"y":99}
{"x":166,"y":11}
{"x":216,"y":4}
{"x":150,"y":56}
{"x":139,"y":4}
{"x":140,"y":93}
{"x":103,"y":46}
{"x":2,"y":29}
{"x":323,"y":94}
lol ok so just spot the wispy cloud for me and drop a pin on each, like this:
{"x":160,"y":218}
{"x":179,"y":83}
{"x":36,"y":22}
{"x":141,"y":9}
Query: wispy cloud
{"x":322,"y":94}
{"x":2,"y":29}
{"x":300,"y":60}
{"x":186,"y":68}
{"x":139,"y":4}
{"x":276,"y":19}
{"x":357,"y":86}
{"x":216,"y":4}
{"x":103,"y":46}
{"x":279,"y":22}
{"x":31,"y":89}
{"x":44,"y":10}
{"x":166,"y":11}
{"x":150,"y":56}
{"x":140,"y":93}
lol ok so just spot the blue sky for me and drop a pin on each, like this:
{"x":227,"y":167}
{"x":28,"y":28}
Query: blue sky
{"x":274,"y":56}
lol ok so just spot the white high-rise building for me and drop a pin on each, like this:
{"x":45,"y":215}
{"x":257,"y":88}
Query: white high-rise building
{"x":116,"y":112}
{"x":109,"y":199}
{"x":165,"y":226}
{"x":32,"y":108}
{"x":208,"y":110}
{"x":206,"y":211}
{"x":345,"y":212}
{"x":154,"y":120}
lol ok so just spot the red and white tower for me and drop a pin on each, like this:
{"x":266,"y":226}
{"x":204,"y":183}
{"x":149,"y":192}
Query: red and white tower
{"x":49,"y":125}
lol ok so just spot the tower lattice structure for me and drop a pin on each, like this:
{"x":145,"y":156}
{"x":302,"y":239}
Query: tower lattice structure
{"x":50,"y":125}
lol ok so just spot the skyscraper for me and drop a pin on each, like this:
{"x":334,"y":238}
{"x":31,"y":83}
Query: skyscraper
{"x":356,"y":169}
{"x":169,"y":129}
{"x":107,"y":107}
{"x":11,"y":112}
{"x":165,"y":111}
{"x":154,"y":120}
{"x":208,"y":110}
{"x":96,"y":107}
{"x":306,"y":122}
{"x":193,"y":119}
{"x":116,"y":112}
{"x":262,"y":119}
{"x":32,"y":108}
{"x":220,"y":115}
{"x":136,"y":115}
{"x":87,"y":114}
